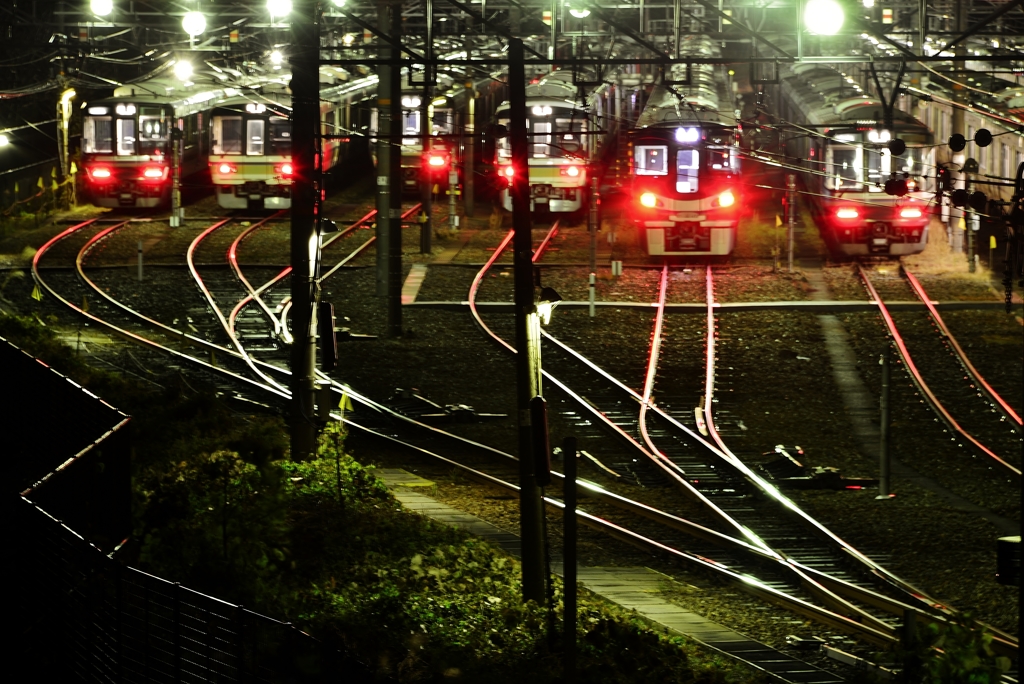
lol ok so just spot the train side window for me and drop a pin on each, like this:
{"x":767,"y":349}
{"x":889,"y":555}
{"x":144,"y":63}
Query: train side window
{"x":329,"y":128}
{"x":255,"y":137}
{"x":687,"y":168}
{"x":280,"y":135}
{"x":98,"y":135}
{"x":504,"y":145}
{"x":126,"y":136}
{"x":227,"y":135}
{"x":651,"y":160}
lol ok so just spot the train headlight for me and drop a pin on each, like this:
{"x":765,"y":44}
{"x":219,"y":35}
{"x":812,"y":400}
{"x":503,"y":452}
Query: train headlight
{"x":572,"y":170}
{"x":910,"y":212}
{"x":227,"y":168}
{"x":649,"y":199}
{"x":726,"y":199}
{"x":847,"y":213}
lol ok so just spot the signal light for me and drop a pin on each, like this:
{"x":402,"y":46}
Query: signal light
{"x":726,"y":199}
{"x":227,"y":168}
{"x":847,"y":213}
{"x":943,"y":180}
{"x":910,"y":212}
{"x":649,"y":199}
{"x":896,"y":187}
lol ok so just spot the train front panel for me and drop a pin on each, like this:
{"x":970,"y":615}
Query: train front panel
{"x":685,"y":191}
{"x":126,"y":154}
{"x":251,"y":157}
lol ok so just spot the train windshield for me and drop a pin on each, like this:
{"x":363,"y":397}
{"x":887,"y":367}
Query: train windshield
{"x":280,"y":135}
{"x":125,"y":136}
{"x":98,"y":134}
{"x":651,"y":160}
{"x":844,"y":163}
{"x":255,"y":137}
{"x":227,"y":135}
{"x":687,"y":168}
{"x":153,"y":125}
{"x":550,"y":126}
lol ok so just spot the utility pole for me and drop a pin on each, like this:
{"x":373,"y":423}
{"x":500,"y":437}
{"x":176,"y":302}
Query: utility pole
{"x":389,"y":180}
{"x":791,"y":211}
{"x":956,"y":236}
{"x":426,"y":129}
{"x":176,"y":136}
{"x":592,"y":225}
{"x":469,"y":150}
{"x":305,"y":87}
{"x":527,"y":372}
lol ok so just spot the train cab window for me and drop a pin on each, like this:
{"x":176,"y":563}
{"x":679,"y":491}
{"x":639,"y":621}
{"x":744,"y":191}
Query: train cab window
{"x":571,"y":130}
{"x":541,"y":139}
{"x":153,"y":130}
{"x":126,"y":136}
{"x":281,"y":135}
{"x":651,"y":160}
{"x":687,"y":168}
{"x":722,"y":159}
{"x":255,"y":136}
{"x":98,"y":134}
{"x":845,"y":165}
{"x":879,"y":168}
{"x":442,"y":122}
{"x":227,"y":135}
{"x":411,"y":122}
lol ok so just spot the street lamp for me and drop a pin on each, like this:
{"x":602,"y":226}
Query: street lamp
{"x":823,"y":17}
{"x":183,"y":70}
{"x":577,"y":10}
{"x":101,"y":8}
{"x":194,"y":23}
{"x":279,"y":8}
{"x":4,"y":140}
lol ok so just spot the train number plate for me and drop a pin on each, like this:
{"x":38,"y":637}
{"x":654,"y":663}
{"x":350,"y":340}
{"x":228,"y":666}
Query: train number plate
{"x":879,"y":241}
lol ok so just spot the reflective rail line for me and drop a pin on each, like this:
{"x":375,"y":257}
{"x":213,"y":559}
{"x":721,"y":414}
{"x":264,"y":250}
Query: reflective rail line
{"x":923,"y":388}
{"x":994,"y":396}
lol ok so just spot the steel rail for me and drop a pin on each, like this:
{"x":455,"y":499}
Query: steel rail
{"x":922,"y":386}
{"x":121,"y":332}
{"x":279,"y":323}
{"x":823,"y":594}
{"x":545,"y":243}
{"x":406,"y":214}
{"x":1000,"y":403}
{"x":190,"y":259}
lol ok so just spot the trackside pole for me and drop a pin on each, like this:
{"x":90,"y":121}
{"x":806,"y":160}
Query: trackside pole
{"x":791,"y":206}
{"x":527,"y":373}
{"x":140,"y":261}
{"x":569,"y":560}
{"x":883,"y":428}
{"x":592,"y":225}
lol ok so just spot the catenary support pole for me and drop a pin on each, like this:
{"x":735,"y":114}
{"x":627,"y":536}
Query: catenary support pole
{"x":592,"y":226}
{"x":140,"y":261}
{"x":569,"y":559}
{"x":883,"y":427}
{"x":305,"y":85}
{"x":383,"y":152}
{"x":791,"y":206}
{"x":526,"y":373}
{"x":395,"y":182}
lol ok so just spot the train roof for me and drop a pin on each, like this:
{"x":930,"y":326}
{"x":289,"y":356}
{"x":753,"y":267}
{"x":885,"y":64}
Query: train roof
{"x":827,"y":97}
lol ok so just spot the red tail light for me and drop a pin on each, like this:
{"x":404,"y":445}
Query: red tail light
{"x":726,"y":199}
{"x":649,"y":199}
{"x":910,"y":212}
{"x":436,"y":160}
{"x":100,"y":174}
{"x":227,"y":168}
{"x":847,"y":213}
{"x":154,"y":173}
{"x":572,"y":170}
{"x":286,"y":169}
{"x":509,"y":172}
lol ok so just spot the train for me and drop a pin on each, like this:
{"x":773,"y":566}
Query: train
{"x":240,"y":134}
{"x":565,"y":137}
{"x":685,"y":155}
{"x":842,"y":149}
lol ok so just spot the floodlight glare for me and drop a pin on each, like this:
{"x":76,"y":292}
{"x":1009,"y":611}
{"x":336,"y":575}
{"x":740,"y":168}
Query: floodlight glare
{"x":101,"y":8}
{"x":579,"y":13}
{"x":4,"y":140}
{"x":194,"y":23}
{"x":279,"y":8}
{"x":183,"y":70}
{"x":276,"y":57}
{"x":823,"y":17}
{"x":338,"y":3}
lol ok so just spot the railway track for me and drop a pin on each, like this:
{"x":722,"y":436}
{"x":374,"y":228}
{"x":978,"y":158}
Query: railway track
{"x":973,"y":414}
{"x":739,"y":501}
{"x":411,"y":433}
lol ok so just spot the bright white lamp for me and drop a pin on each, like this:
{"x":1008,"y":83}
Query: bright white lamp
{"x":183,"y":70}
{"x":4,"y":140}
{"x":338,"y":3}
{"x":279,"y":8}
{"x":823,"y":17}
{"x":101,"y":8}
{"x":194,"y":23}
{"x":276,"y":57}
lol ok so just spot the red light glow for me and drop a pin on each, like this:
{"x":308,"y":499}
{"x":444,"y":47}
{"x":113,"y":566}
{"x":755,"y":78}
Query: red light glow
{"x":101,"y":172}
{"x":153,"y":172}
{"x":227,"y":168}
{"x":847,"y":213}
{"x":435,"y":160}
{"x":509,"y":171}
{"x":910,"y":212}
{"x":286,"y":169}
